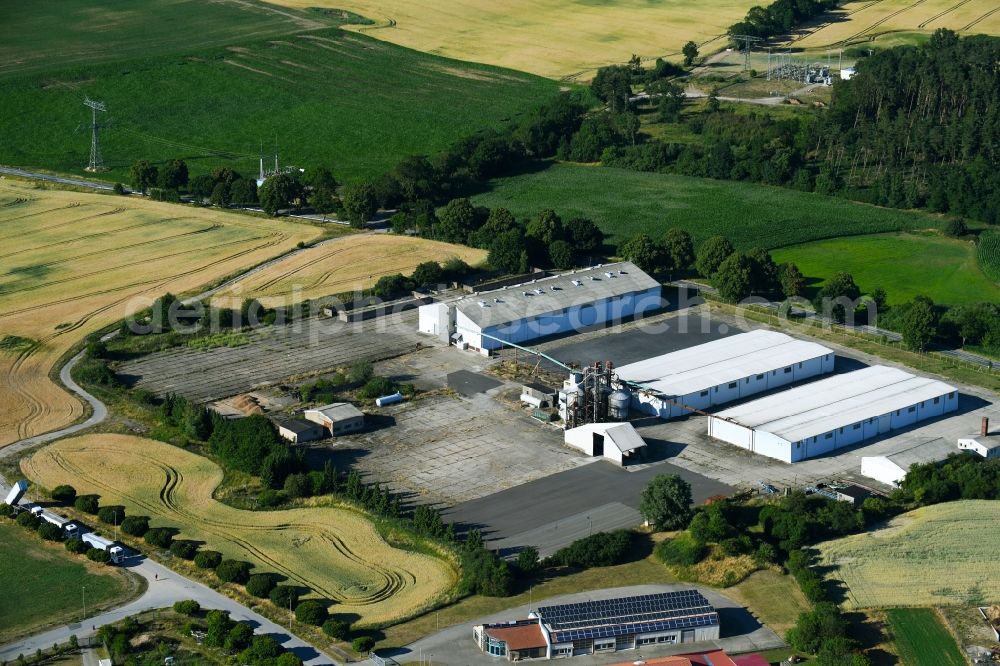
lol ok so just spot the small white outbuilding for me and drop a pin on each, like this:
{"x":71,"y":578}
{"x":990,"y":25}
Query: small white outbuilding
{"x":891,"y":468}
{"x":618,"y":442}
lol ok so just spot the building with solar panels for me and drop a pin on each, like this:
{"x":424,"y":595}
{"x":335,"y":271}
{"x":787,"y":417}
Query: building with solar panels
{"x":592,"y":627}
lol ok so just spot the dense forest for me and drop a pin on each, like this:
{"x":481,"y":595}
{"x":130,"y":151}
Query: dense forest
{"x":915,"y":128}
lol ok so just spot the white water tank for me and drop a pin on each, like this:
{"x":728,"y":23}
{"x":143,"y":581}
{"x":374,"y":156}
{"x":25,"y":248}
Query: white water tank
{"x":618,"y":403}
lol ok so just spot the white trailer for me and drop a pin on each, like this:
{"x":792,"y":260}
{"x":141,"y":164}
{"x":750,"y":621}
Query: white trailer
{"x":68,"y":527}
{"x":116,"y":552}
{"x":16,"y":493}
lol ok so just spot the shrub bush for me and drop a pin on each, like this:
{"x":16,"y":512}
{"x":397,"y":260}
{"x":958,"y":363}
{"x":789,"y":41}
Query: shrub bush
{"x":377,"y":387}
{"x":207,"y":559}
{"x":161,"y":537}
{"x":112,"y":515}
{"x":270,"y":498}
{"x":98,"y":555}
{"x":87,"y":503}
{"x":363,"y":644}
{"x":284,"y":596}
{"x":187,"y":607}
{"x":135,"y":526}
{"x":260,"y":585}
{"x":233,"y":571}
{"x":312,"y":612}
{"x":184,"y":549}
{"x":681,"y":550}
{"x":64,"y":494}
{"x":597,"y":550}
{"x":49,"y":532}
{"x":28,"y":520}
{"x":6,"y":511}
{"x":76,"y":546}
{"x":337,"y":629}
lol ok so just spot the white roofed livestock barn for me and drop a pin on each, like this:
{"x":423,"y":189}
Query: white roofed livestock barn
{"x":832,"y":413}
{"x":542,"y":307}
{"x":721,"y":371}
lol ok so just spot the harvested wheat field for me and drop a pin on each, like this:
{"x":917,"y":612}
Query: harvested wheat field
{"x":343,"y":265}
{"x":335,"y":552}
{"x":553,"y":38}
{"x":73,"y":263}
{"x":864,"y":20}
{"x":940,"y":554}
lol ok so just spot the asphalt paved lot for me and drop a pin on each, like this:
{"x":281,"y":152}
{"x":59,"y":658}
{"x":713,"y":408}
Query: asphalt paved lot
{"x":551,"y":512}
{"x":637,"y":340}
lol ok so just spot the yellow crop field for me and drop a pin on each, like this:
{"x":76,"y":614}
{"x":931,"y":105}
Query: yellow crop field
{"x":346,"y":264}
{"x":335,"y":552}
{"x":940,"y":554}
{"x":553,"y":38}
{"x":71,"y":263}
{"x":865,"y":20}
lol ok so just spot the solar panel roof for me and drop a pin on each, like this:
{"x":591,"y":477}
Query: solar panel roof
{"x":637,"y":611}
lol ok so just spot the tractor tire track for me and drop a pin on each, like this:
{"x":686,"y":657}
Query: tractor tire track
{"x":942,"y":13}
{"x":980,"y":19}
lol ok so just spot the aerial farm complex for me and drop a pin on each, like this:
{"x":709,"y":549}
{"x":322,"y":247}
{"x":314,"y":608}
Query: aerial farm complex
{"x":460,"y":333}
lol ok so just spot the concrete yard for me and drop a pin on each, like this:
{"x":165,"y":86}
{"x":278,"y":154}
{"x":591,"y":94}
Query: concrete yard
{"x":445,"y":449}
{"x":274,"y":354}
{"x":455,"y":646}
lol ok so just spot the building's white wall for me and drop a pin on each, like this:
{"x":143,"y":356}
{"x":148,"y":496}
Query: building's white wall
{"x":730,"y":432}
{"x":571,"y":319}
{"x":780,"y":377}
{"x":882,"y":469}
{"x":770,"y":445}
{"x":724,"y":393}
{"x":582,"y":439}
{"x":429,"y":319}
{"x":611,"y":451}
{"x":469,"y":330}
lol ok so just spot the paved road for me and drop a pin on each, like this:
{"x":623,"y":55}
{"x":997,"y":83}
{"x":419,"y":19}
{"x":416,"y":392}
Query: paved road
{"x":76,"y":182}
{"x":166,"y":587}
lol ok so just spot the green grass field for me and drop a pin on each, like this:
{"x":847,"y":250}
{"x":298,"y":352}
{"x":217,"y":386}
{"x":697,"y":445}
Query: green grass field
{"x":624,"y":203}
{"x":988,"y":253}
{"x":44,"y":34}
{"x":921,"y":639}
{"x":325,"y":96}
{"x":49,"y":582}
{"x":905,"y":265}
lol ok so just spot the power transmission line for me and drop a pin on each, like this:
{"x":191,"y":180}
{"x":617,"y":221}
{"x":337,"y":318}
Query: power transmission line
{"x":747,"y":41}
{"x":96,"y":162}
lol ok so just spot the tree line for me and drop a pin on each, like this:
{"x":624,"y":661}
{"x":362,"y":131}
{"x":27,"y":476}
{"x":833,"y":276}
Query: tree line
{"x":779,"y":17}
{"x":914,"y":128}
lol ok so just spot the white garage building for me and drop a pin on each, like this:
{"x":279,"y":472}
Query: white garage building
{"x":721,"y":371}
{"x":618,"y":442}
{"x":892,"y":467}
{"x":832,"y":413}
{"x":542,"y":307}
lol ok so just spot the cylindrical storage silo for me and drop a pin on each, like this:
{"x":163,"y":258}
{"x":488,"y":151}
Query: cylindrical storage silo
{"x":618,"y":403}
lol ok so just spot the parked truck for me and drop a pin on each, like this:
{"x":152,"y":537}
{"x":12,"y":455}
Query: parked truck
{"x":16,"y":493}
{"x":116,"y":552}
